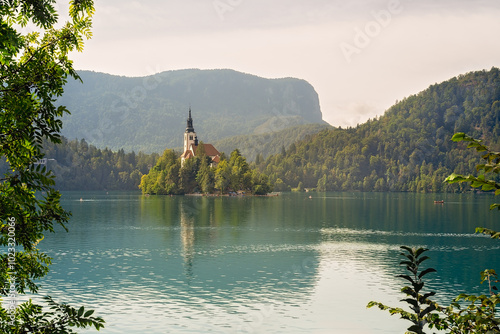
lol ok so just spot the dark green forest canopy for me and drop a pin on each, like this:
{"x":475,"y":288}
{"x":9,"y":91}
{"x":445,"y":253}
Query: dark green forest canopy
{"x":407,"y":149}
{"x":78,"y":165}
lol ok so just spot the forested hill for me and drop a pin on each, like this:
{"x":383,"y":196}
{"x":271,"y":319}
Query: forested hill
{"x":407,"y":149}
{"x":149,"y":114}
{"x":261,"y":146}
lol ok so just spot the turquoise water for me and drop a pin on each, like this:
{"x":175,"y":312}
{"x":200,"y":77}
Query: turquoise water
{"x":286,"y":264}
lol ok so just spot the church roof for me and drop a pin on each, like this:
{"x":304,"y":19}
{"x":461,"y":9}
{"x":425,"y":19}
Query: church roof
{"x":210,"y":150}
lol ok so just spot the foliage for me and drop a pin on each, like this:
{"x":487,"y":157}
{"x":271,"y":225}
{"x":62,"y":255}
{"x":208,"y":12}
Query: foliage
{"x":77,"y":165}
{"x":492,"y":165}
{"x":143,"y":114}
{"x":259,"y":146}
{"x":167,"y":177}
{"x":467,"y":313}
{"x":34,"y":67}
{"x":422,"y":307}
{"x":60,"y":319}
{"x":406,"y":149}
{"x":480,"y":315}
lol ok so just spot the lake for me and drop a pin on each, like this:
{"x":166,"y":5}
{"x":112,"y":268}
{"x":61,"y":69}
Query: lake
{"x":286,"y":264}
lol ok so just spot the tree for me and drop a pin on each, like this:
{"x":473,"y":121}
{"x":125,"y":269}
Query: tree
{"x":240,"y":176}
{"x":222,"y":176}
{"x":34,"y":68}
{"x":206,"y":176}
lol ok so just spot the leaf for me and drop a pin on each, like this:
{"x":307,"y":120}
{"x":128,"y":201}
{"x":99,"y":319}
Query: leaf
{"x":410,"y":301}
{"x":406,"y":277}
{"x":426,"y":271}
{"x":429,"y":309}
{"x":406,"y":248}
{"x":88,"y":313}
{"x":80,"y":311}
{"x":455,"y":178}
{"x":429,"y":294}
{"x":495,"y":205}
{"x":422,"y":259}
{"x":459,"y":136}
{"x":415,"y":329}
{"x":420,"y":251}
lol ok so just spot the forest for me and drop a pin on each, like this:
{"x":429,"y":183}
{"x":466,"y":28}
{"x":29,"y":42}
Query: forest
{"x":196,"y":175}
{"x":80,"y":166}
{"x":260,"y":146}
{"x":408,"y":149}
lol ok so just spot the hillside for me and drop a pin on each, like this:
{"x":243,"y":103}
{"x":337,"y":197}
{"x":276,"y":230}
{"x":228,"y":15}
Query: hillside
{"x":269,"y":143}
{"x":149,"y":113}
{"x":407,"y":149}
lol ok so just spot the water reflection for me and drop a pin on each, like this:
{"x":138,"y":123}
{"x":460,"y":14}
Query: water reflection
{"x":288,"y":264}
{"x":187,"y":239}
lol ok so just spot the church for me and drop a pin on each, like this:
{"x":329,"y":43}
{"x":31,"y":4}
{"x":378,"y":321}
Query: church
{"x":191,"y":145}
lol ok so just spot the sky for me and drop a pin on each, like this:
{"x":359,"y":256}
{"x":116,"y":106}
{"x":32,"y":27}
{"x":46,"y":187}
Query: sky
{"x":361,"y":56}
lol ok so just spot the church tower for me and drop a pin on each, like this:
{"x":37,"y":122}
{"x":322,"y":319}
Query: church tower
{"x":190,"y":135}
{"x":191,"y":145}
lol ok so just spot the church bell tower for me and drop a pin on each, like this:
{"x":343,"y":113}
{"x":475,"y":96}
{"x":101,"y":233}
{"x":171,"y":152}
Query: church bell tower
{"x":189,"y":135}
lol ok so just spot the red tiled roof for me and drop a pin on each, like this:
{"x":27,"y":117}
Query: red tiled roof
{"x":210,"y":150}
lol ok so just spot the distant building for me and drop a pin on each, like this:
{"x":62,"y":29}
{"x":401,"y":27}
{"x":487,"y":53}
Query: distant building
{"x":191,"y":145}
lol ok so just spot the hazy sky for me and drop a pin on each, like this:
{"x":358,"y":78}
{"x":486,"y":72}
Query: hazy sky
{"x":360,"y":56}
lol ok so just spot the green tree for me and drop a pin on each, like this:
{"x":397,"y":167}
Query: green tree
{"x":260,"y":183}
{"x":34,"y":68}
{"x":240,"y":178}
{"x":206,"y":176}
{"x":222,"y":176}
{"x":187,"y":175}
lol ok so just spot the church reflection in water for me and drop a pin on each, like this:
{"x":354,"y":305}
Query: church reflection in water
{"x":187,"y":240}
{"x":223,"y":242}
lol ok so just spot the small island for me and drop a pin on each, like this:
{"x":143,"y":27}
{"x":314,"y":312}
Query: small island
{"x":202,"y":169}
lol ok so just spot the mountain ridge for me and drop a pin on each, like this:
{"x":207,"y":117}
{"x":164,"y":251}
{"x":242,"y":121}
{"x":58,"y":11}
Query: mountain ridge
{"x":148,"y":113}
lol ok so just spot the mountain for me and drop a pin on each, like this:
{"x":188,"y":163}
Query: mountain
{"x":149,"y":113}
{"x":406,"y":149}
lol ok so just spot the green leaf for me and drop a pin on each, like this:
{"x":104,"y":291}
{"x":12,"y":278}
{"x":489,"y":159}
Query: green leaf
{"x":406,"y":277}
{"x":459,"y":136}
{"x":80,"y":311}
{"x":426,"y":271}
{"x":429,"y":309}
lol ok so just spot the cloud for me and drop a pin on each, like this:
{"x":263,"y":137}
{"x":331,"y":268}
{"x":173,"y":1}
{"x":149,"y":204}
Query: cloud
{"x":426,"y":42}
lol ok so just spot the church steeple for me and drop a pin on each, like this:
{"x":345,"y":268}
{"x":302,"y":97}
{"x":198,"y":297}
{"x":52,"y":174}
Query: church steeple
{"x":189,"y":135}
{"x":189,"y":127}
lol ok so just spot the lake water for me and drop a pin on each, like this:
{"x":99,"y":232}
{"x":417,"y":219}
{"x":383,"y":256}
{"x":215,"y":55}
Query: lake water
{"x":285,"y":264}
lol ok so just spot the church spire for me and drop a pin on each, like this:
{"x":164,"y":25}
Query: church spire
{"x":189,"y":127}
